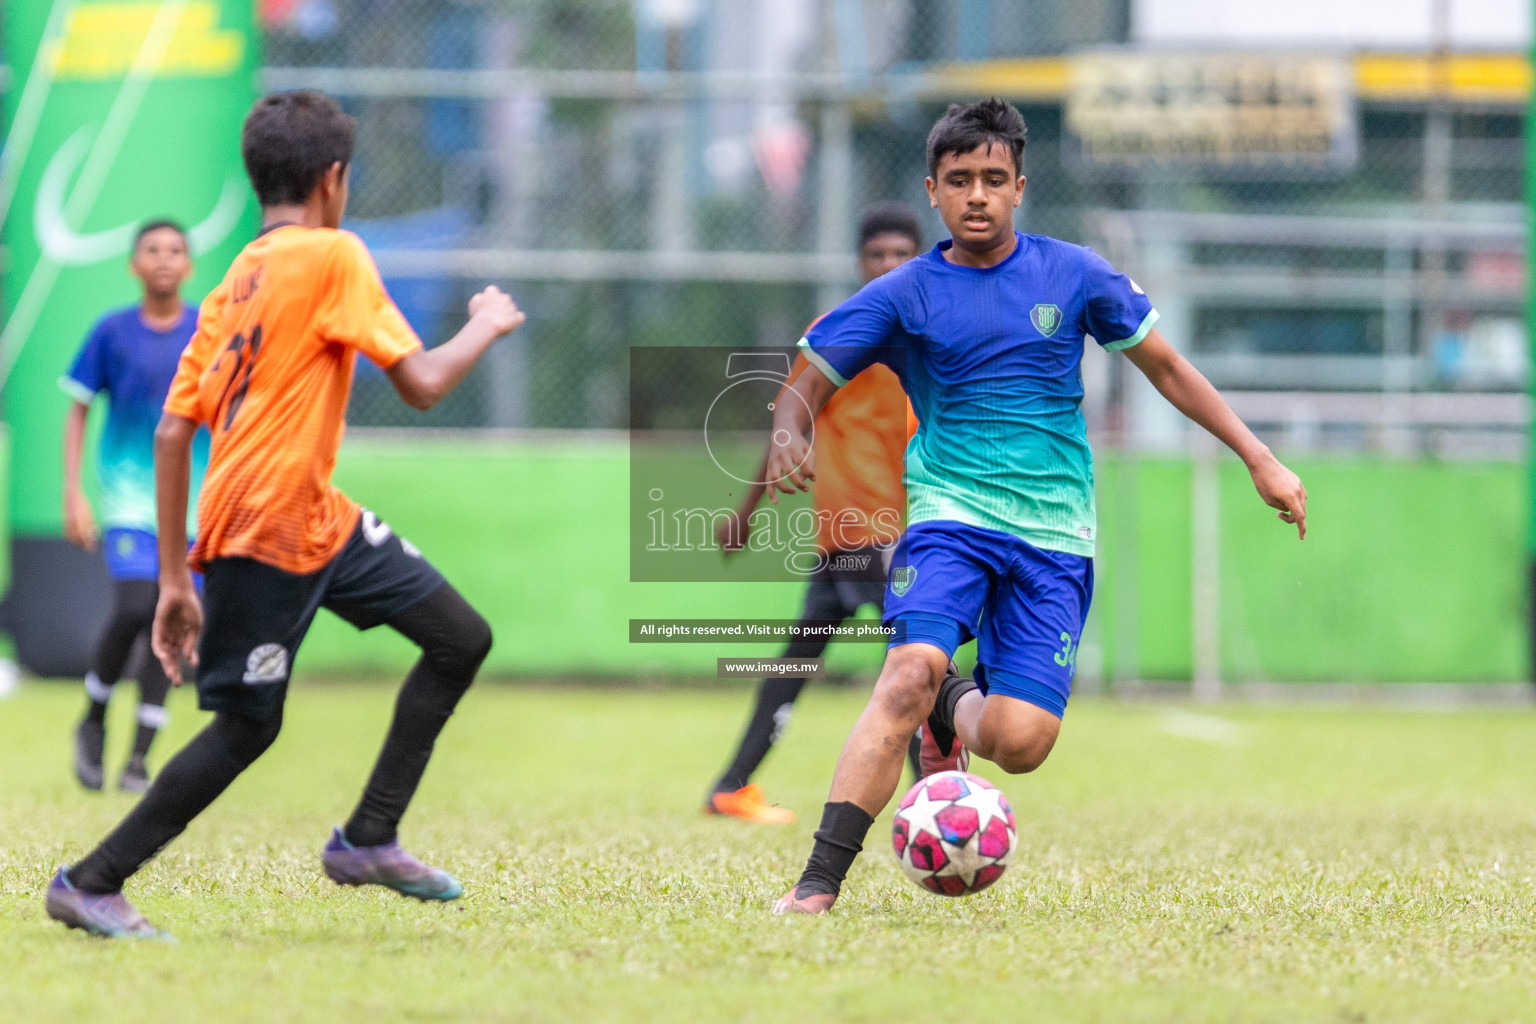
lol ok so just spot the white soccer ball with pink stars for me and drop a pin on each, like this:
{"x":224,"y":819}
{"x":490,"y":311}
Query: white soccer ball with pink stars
{"x":954,"y":833}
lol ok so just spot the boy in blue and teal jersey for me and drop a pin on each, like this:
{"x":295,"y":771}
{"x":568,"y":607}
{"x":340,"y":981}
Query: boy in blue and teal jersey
{"x":986,"y":332}
{"x":130,"y":357}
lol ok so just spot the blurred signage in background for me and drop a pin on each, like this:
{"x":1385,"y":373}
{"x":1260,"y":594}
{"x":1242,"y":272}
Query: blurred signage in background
{"x":1247,"y":115}
{"x":1350,"y":24}
{"x":118,"y":112}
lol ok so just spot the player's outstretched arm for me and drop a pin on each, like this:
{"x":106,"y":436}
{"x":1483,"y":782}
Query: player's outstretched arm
{"x":732,"y":533}
{"x":425,"y":377}
{"x":1194,"y":396}
{"x":791,"y":463}
{"x":79,"y":521}
{"x":178,"y":615}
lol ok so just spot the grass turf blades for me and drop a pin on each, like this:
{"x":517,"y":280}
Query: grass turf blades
{"x":1173,"y":865}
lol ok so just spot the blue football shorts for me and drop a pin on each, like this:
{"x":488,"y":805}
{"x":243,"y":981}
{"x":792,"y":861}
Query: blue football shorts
{"x":1025,"y":607}
{"x":130,"y":554}
{"x":133,"y":554}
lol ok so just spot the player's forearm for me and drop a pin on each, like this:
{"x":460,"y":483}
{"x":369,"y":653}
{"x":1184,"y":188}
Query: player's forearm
{"x":757,"y":489}
{"x":1187,"y":389}
{"x":1189,"y":392}
{"x":791,"y":461}
{"x":426,"y":377}
{"x":74,"y":444}
{"x":814,"y":390}
{"x":173,"y":478}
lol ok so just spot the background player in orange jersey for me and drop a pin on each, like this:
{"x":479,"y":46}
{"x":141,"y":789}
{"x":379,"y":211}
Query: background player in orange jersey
{"x":860,"y":438}
{"x":269,"y":371}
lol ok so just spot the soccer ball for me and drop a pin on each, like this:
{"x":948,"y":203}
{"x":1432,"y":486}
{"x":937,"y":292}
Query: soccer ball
{"x":954,"y":833}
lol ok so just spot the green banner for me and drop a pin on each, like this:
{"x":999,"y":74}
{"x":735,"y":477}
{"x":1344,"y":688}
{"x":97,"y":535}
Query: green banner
{"x":117,"y":112}
{"x":1530,"y":339}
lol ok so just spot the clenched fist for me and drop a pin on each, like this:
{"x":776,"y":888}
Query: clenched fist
{"x":496,"y":308}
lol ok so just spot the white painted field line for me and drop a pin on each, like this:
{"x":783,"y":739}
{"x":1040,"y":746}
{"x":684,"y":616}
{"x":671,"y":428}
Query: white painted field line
{"x":1202,"y":728}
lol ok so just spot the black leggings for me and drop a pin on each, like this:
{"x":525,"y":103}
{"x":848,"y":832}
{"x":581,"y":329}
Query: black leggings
{"x":454,"y":640}
{"x":825,"y":604}
{"x":132,"y":615}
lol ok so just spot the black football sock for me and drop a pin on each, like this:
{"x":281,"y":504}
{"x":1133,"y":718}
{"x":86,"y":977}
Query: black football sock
{"x":188,"y":783}
{"x":151,"y":718}
{"x":153,"y":688}
{"x":838,"y":841}
{"x":97,"y":694}
{"x":454,"y":640}
{"x":775,"y":701}
{"x":914,"y":751}
{"x":941,"y":721}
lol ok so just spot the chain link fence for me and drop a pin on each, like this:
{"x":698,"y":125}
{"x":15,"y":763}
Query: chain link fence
{"x":685,"y":172}
{"x":1334,"y":234}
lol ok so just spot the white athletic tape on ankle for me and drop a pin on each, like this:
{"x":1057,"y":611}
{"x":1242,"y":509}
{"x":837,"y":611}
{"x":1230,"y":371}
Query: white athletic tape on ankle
{"x":97,"y":690}
{"x":152,"y":715}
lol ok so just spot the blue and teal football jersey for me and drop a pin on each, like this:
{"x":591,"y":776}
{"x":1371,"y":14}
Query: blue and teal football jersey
{"x":992,"y":360}
{"x":132,"y":364}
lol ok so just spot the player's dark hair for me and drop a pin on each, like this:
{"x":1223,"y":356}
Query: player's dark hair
{"x":288,"y":142}
{"x":964,"y":127}
{"x":889,"y":218}
{"x":163,"y":224}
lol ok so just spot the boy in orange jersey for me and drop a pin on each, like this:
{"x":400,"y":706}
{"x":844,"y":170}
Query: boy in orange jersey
{"x":860,"y":438}
{"x":269,"y":372}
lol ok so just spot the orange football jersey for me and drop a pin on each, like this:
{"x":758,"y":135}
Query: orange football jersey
{"x":269,"y":371}
{"x":860,"y":442}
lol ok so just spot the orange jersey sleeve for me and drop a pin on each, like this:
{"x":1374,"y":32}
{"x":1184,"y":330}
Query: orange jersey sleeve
{"x":801,"y":363}
{"x":357,"y":312}
{"x":270,"y":372}
{"x":182,"y":400}
{"x":860,"y":441}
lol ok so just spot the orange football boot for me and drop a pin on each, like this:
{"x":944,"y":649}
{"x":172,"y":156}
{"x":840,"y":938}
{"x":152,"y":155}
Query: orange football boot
{"x":749,"y":804}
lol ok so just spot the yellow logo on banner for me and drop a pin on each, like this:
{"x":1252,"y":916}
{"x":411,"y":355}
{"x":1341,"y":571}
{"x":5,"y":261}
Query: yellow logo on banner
{"x":102,"y":39}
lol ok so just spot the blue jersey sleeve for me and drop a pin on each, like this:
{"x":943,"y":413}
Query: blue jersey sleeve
{"x":87,"y":375}
{"x":1115,"y":310}
{"x":855,"y":335}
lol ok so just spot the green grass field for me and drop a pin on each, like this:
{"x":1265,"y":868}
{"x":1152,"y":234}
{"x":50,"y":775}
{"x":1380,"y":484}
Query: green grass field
{"x":1174,"y":865}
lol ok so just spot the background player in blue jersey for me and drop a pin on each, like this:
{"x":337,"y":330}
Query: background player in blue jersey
{"x":986,"y":331}
{"x":130,"y":357}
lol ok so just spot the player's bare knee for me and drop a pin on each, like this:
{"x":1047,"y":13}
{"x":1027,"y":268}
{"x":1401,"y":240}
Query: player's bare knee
{"x":1024,"y":754}
{"x":1017,"y":761}
{"x":907,"y":686}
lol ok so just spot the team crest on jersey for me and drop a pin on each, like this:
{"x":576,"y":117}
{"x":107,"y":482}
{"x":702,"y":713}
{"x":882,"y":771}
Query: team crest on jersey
{"x":902,"y":578}
{"x":1046,"y":317}
{"x":268,"y":663}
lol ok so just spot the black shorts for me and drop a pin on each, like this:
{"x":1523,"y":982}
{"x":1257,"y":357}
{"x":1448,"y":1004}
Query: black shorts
{"x":255,"y":616}
{"x":847,"y":580}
